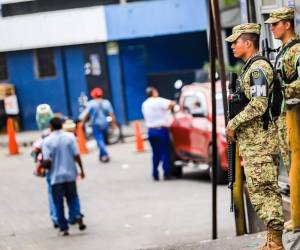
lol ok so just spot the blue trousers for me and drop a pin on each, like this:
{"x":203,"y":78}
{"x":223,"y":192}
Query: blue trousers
{"x":52,"y":209}
{"x":69,"y":191}
{"x":99,"y":135}
{"x":159,"y":139}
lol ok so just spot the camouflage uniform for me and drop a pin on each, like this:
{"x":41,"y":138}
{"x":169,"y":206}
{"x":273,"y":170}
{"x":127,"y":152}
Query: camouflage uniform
{"x":256,"y":144}
{"x":288,"y":65}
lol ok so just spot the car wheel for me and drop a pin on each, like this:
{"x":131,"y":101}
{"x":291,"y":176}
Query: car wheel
{"x":176,"y":170}
{"x":222,"y":176}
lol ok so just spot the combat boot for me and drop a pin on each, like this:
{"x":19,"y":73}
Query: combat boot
{"x":274,"y":240}
{"x":265,"y":246}
{"x":288,"y":226}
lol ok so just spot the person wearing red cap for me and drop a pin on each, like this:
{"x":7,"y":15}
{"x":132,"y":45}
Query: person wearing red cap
{"x":97,"y":111}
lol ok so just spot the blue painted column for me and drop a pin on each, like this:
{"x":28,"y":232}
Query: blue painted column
{"x":75,"y":77}
{"x":116,"y":86}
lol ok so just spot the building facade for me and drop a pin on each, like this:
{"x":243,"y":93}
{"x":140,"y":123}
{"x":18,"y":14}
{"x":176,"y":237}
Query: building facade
{"x":54,"y":52}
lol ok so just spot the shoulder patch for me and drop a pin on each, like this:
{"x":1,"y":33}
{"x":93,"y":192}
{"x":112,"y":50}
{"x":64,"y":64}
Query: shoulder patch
{"x":258,"y":83}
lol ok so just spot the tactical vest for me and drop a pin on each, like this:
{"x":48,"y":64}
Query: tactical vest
{"x":275,"y":97}
{"x":279,"y":67}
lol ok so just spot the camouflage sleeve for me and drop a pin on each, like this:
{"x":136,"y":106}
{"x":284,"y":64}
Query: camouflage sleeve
{"x":256,"y":107}
{"x":292,"y":90}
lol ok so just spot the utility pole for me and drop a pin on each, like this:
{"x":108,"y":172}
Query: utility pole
{"x":212,"y":56}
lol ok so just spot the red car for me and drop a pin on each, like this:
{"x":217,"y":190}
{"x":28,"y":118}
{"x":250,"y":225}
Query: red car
{"x":191,"y":130}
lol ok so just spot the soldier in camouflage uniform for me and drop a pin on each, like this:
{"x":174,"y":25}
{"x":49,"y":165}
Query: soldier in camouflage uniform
{"x":255,"y":142}
{"x":288,"y":67}
{"x":287,"y":62}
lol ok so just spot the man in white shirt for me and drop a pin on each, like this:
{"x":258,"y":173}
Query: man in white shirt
{"x":156,"y":111}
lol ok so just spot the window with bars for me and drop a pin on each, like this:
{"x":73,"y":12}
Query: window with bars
{"x":3,"y":67}
{"x":44,"y":63}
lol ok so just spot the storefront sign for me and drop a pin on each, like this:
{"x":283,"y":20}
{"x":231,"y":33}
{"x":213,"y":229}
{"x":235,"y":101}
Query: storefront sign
{"x":11,"y":105}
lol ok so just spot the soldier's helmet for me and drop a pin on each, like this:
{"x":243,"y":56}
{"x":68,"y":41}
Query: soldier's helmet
{"x":238,"y":30}
{"x":284,"y":13}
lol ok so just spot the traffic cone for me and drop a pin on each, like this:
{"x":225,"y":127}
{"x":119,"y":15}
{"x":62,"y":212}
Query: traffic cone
{"x":12,"y":143}
{"x":81,"y":139}
{"x":139,"y":142}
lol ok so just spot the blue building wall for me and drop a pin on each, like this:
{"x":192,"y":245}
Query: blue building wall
{"x":75,"y":77}
{"x":154,"y":18}
{"x":141,"y":57}
{"x":117,"y":89}
{"x":154,"y":36}
{"x":32,"y":91}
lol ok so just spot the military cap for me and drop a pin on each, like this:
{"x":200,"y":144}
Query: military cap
{"x":242,"y":29}
{"x":283,"y":13}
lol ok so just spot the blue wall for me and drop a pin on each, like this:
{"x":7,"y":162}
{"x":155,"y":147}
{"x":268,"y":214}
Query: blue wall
{"x":75,"y":76}
{"x":32,"y":91}
{"x":116,"y":87}
{"x":153,"y":18}
{"x":141,"y":57}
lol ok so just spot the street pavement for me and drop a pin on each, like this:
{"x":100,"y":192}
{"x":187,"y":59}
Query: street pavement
{"x":124,"y":208}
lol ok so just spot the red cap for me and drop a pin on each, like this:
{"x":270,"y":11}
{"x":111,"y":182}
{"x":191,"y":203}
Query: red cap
{"x":96,"y":93}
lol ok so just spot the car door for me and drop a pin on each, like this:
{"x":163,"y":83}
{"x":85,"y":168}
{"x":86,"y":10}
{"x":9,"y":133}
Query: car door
{"x":200,"y":132}
{"x":180,"y":131}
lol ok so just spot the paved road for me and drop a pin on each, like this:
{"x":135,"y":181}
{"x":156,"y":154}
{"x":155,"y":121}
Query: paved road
{"x":123,"y":207}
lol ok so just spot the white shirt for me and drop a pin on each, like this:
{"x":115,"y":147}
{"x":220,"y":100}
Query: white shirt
{"x":156,"y":113}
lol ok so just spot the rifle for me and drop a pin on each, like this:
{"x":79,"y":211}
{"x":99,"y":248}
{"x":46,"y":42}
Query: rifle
{"x":231,"y":145}
{"x":237,"y":101}
{"x":266,"y":50}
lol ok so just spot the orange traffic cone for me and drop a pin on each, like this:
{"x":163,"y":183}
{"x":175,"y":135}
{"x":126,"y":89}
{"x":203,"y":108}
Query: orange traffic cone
{"x":81,"y":139}
{"x":139,"y":142}
{"x":12,"y":143}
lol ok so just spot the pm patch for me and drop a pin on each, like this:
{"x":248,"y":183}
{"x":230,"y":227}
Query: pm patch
{"x":258,"y":90}
{"x":258,"y":83}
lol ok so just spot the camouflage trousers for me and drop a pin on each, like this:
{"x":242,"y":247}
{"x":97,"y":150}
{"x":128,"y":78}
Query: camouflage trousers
{"x":283,"y":141}
{"x":264,"y":192}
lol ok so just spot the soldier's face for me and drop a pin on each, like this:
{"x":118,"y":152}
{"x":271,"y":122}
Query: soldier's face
{"x":278,"y":29}
{"x":239,"y":48}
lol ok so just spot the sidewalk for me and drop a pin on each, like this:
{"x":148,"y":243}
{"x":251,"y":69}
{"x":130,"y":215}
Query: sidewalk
{"x":26,"y":138}
{"x":247,"y":242}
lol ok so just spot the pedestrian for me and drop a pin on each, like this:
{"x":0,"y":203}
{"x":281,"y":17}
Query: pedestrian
{"x":287,"y":65}
{"x":255,"y":140}
{"x":97,"y":111}
{"x":156,"y":112}
{"x":60,"y":155}
{"x":43,"y":116}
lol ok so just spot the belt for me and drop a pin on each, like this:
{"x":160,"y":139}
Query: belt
{"x":159,"y":127}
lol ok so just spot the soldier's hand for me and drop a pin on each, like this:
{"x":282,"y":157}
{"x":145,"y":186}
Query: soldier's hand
{"x":230,"y":134}
{"x":82,"y":175}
